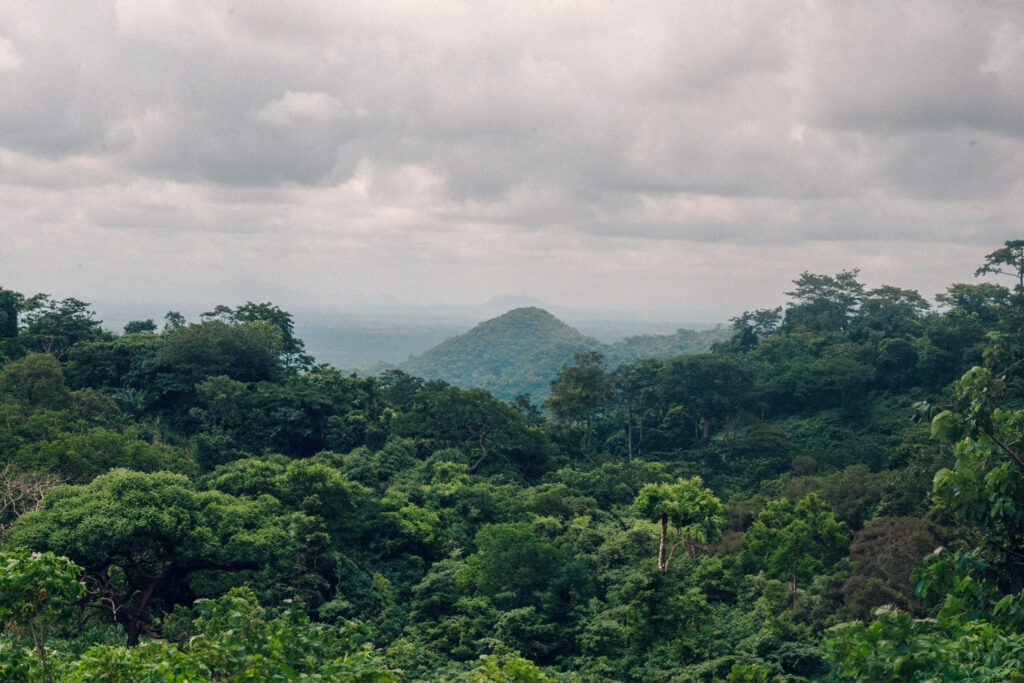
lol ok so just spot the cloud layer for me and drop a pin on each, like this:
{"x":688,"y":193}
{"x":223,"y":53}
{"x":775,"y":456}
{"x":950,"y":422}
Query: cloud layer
{"x":695,"y":155}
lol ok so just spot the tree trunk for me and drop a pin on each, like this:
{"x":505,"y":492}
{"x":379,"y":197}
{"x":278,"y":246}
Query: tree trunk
{"x":134,"y":620}
{"x":662,"y":564}
{"x":629,"y":432}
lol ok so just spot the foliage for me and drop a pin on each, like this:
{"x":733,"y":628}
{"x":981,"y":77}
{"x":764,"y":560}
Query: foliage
{"x":896,"y":647}
{"x":37,"y":591}
{"x":795,"y":542}
{"x":55,"y":326}
{"x":149,"y":538}
{"x":985,"y":487}
{"x":1007,"y":260}
{"x":693,"y":512}
{"x":236,"y":510}
{"x":236,"y":640}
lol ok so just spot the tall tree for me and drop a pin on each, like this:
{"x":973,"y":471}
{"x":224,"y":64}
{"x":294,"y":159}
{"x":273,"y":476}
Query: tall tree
{"x":753,"y":326}
{"x":1007,"y":260}
{"x":10,"y":305}
{"x":580,"y":392}
{"x":890,"y":312}
{"x":823,"y":303}
{"x":55,"y":326}
{"x":292,"y":348}
{"x":692,"y":511}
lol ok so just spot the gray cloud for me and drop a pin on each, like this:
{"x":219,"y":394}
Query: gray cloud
{"x":405,"y":146}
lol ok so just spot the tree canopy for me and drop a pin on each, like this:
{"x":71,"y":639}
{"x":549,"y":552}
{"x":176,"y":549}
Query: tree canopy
{"x":834,"y":490}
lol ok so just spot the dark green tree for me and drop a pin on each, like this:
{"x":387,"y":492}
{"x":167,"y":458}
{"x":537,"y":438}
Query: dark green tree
{"x":150,"y":541}
{"x":985,"y":302}
{"x":34,"y":382}
{"x":753,"y":326}
{"x":188,"y":355}
{"x":146,"y":326}
{"x":56,"y":326}
{"x":10,"y":306}
{"x":795,"y":542}
{"x":490,"y":431}
{"x":174,"y":320}
{"x":579,"y":394}
{"x":823,"y":303}
{"x":699,"y":394}
{"x":889,"y":312}
{"x":1007,"y":260}
{"x":292,"y":348}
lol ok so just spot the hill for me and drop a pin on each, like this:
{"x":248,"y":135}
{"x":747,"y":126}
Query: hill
{"x":523,"y":350}
{"x":518,"y":352}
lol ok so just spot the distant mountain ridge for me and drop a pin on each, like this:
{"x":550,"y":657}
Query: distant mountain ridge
{"x":524,"y":349}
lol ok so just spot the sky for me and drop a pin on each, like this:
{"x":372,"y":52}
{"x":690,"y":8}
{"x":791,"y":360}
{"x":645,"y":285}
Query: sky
{"x":642,"y":155}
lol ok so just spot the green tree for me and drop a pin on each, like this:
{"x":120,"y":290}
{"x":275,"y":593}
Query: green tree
{"x":56,"y":326}
{"x":636,"y":388}
{"x":80,"y":455}
{"x":985,"y":301}
{"x":145,"y":540}
{"x":505,"y":669}
{"x":292,"y":348}
{"x":693,"y":512}
{"x":823,"y":303}
{"x":10,"y":306}
{"x":34,"y":382}
{"x":889,"y":312}
{"x":984,"y":489}
{"x":699,"y":394}
{"x":753,"y":326}
{"x":795,"y":542}
{"x":579,"y":393}
{"x":188,"y":355}
{"x":1007,"y":260}
{"x":490,"y":431}
{"x":146,"y":326}
{"x":37,"y":591}
{"x":896,"y":647}
{"x":514,"y":565}
{"x":173,"y":320}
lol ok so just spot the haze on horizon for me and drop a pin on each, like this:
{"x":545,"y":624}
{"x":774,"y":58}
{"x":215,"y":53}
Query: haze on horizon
{"x":648,"y":156}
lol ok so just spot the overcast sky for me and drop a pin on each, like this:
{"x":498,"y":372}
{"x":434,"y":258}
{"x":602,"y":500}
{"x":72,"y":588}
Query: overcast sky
{"x":629,"y":154}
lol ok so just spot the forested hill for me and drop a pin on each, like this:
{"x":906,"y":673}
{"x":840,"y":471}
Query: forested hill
{"x":519,"y":352}
{"x":522,"y":351}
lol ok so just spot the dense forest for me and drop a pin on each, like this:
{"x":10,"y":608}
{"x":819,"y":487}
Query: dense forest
{"x":835,"y":492}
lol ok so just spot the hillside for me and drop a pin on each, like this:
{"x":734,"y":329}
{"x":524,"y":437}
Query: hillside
{"x":518,"y":352}
{"x":521,"y":351}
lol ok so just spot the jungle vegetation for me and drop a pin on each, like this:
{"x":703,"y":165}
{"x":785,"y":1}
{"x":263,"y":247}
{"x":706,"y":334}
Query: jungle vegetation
{"x":834,"y":492}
